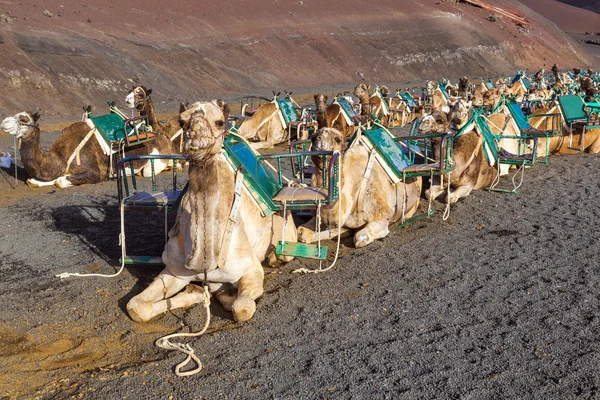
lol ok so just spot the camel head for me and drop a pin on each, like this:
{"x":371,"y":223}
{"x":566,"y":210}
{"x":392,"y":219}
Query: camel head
{"x":459,"y":112}
{"x":137,"y":97}
{"x":20,"y":124}
{"x":204,"y":129}
{"x":384,"y":90}
{"x":491,"y":97}
{"x":320,"y":102}
{"x":430,"y":86}
{"x":328,"y":139}
{"x":362,"y":90}
{"x":434,"y":123}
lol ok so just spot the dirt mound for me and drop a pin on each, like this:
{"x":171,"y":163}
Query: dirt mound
{"x":57,"y":58}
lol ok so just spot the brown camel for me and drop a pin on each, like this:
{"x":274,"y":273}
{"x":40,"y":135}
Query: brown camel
{"x":368,"y":201}
{"x":139,"y":98}
{"x":331,"y":116}
{"x":201,"y":247}
{"x":76,"y":158}
{"x":471,"y":170}
{"x":371,"y":104}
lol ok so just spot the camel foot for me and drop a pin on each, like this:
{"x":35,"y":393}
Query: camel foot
{"x":227,"y":297}
{"x":243,"y":308}
{"x":361,"y":240}
{"x":63,"y":182}
{"x":306,"y":235}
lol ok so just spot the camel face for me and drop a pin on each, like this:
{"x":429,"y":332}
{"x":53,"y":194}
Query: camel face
{"x":204,"y":132}
{"x":320,"y":102}
{"x":137,"y":97}
{"x":361,"y":90}
{"x":328,"y":139}
{"x":20,"y":124}
{"x":434,"y":123}
{"x":459,"y":113}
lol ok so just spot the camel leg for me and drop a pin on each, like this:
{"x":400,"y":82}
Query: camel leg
{"x":34,"y":183}
{"x":89,"y":176}
{"x":435,"y":189}
{"x":372,"y":231}
{"x":307,"y":233}
{"x":226,"y":296}
{"x":461,"y":191}
{"x":156,"y":299}
{"x":250,"y":288}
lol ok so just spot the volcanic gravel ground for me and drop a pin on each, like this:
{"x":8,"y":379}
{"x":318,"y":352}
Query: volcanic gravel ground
{"x":499,"y":301}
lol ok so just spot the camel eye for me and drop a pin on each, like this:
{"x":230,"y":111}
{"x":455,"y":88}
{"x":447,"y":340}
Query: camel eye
{"x":219,"y":124}
{"x":338,"y":140}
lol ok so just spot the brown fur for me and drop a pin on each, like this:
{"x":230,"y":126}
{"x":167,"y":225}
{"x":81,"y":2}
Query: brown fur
{"x":370,"y":104}
{"x":330,"y":116}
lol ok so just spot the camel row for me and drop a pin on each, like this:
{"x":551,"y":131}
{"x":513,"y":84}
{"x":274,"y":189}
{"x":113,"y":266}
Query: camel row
{"x":370,"y":199}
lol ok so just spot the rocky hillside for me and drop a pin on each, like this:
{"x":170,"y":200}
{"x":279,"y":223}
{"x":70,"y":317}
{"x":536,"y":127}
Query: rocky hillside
{"x":59,"y":56}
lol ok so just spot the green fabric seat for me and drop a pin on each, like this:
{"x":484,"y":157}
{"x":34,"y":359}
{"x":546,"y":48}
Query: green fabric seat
{"x":500,"y":155}
{"x":571,"y":107}
{"x":388,"y":148}
{"x":408,"y":99}
{"x":261,"y":180}
{"x":288,"y":111}
{"x":110,"y":127}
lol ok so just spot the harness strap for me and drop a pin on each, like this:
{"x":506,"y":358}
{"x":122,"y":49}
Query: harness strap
{"x":231,"y":221}
{"x":365,"y":178}
{"x":77,"y":149}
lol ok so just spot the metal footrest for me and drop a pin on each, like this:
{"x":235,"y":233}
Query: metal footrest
{"x":129,"y":260}
{"x":301,"y":250}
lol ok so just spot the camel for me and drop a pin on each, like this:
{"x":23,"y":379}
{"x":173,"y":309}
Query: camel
{"x":463,"y":87}
{"x":203,"y":246}
{"x":371,"y":104}
{"x":331,"y":116}
{"x":139,"y":98}
{"x":265,"y":128}
{"x":76,"y":158}
{"x":368,"y":201}
{"x":471,"y":170}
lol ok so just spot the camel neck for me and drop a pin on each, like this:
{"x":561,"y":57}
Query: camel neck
{"x":31,"y":150}
{"x":149,"y":112}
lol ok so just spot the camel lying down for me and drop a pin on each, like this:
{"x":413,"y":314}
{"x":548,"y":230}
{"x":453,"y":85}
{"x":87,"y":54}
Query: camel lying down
{"x":369,"y":201}
{"x":77,"y":157}
{"x":199,"y":248}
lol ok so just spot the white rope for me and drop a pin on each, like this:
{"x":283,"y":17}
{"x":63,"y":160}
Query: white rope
{"x":339,"y":224}
{"x":447,"y":209}
{"x":164,"y":342}
{"x":65,"y":275}
{"x":522,"y":171}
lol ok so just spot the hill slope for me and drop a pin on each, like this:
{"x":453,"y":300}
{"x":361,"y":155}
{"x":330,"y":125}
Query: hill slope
{"x":57,"y":58}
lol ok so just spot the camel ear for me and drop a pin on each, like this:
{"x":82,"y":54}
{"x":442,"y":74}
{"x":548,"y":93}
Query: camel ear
{"x":148,"y":92}
{"x":182,"y":107}
{"x":316,"y":95}
{"x":225,"y":107}
{"x":325,"y":98}
{"x":35,"y":117}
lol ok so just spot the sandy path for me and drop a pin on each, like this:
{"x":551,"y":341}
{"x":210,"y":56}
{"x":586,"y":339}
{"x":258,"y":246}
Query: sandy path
{"x":500,"y":301}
